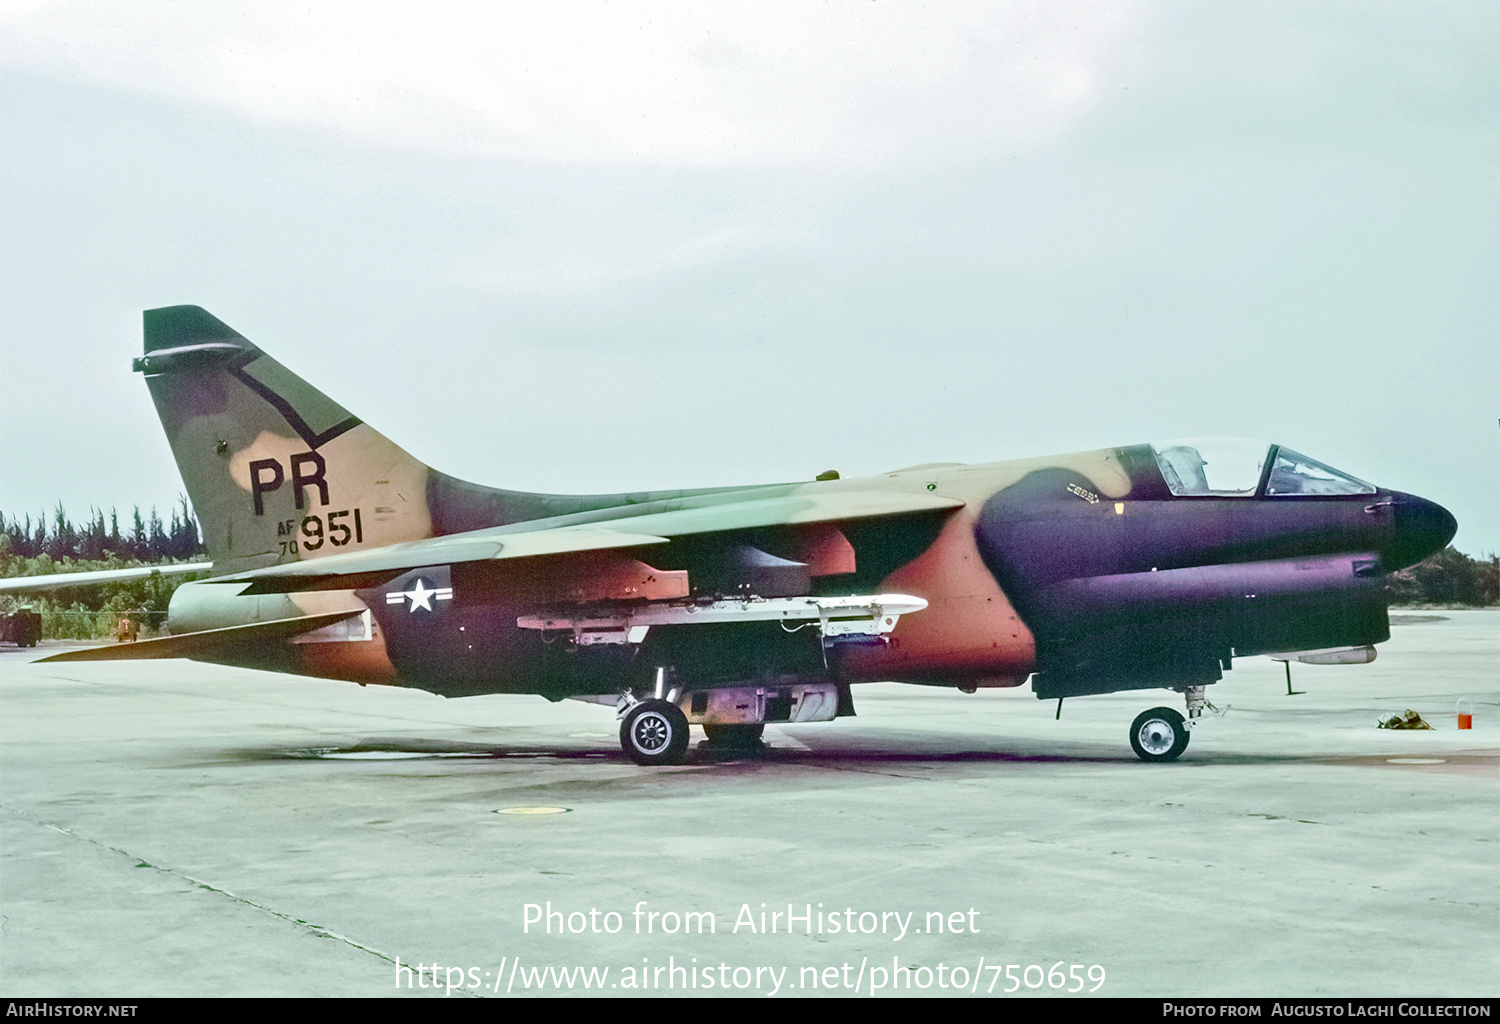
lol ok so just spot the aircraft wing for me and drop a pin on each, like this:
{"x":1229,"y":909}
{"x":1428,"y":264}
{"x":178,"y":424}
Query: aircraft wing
{"x":357,"y":569}
{"x":58,"y":580}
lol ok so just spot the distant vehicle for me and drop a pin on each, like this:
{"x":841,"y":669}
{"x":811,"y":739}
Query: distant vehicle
{"x":1119,"y":569}
{"x":22,"y":628}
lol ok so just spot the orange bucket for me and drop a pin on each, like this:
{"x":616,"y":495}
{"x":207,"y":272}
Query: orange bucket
{"x":1465,"y":721}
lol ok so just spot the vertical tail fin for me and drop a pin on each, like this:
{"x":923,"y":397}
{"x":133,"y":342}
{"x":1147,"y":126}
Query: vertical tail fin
{"x":276,"y":470}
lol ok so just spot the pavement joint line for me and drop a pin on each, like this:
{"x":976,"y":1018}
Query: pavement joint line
{"x":318,"y":930}
{"x":872,"y":771}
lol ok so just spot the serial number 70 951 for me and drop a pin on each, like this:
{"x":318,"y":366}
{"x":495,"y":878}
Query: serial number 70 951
{"x":337,"y":529}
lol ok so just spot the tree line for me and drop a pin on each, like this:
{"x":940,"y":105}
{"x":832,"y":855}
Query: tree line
{"x":1449,"y":578}
{"x":147,"y":539}
{"x":55,"y":544}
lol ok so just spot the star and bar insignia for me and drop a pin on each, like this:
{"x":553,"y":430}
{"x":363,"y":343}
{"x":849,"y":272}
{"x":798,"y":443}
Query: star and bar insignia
{"x":421,"y":595}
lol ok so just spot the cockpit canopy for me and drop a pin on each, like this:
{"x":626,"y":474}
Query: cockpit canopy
{"x":1235,"y":467}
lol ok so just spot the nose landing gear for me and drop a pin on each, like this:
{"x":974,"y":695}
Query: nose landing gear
{"x":1161,"y":734}
{"x":1158,"y":735}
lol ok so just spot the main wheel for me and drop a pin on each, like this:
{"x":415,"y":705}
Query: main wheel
{"x":1158,"y":735}
{"x":654,"y":732}
{"x":734,"y":735}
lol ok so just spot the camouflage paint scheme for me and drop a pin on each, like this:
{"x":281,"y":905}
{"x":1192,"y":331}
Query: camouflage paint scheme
{"x":1085,"y":569}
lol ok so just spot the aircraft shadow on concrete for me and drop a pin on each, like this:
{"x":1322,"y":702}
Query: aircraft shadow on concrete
{"x":857,"y":754}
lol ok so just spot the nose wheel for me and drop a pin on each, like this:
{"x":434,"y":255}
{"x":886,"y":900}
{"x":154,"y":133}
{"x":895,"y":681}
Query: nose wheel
{"x":1160,"y":734}
{"x":654,"y":732}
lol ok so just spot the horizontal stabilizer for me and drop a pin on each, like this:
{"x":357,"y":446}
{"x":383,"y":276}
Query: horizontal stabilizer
{"x":209,"y":644}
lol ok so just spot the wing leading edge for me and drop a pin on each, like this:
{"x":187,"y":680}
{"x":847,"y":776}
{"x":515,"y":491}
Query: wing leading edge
{"x":365,"y":568}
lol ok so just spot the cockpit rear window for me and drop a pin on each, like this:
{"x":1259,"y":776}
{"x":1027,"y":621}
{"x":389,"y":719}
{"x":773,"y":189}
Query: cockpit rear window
{"x":1225,"y":467}
{"x":1297,"y":474}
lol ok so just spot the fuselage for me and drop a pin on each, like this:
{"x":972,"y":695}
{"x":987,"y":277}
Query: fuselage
{"x":1114,"y":569}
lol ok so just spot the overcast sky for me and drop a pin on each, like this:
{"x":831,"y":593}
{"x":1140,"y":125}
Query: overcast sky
{"x":596,"y":247}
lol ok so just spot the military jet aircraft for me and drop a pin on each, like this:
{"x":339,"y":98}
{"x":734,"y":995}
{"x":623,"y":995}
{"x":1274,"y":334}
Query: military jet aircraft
{"x":1148,"y":566}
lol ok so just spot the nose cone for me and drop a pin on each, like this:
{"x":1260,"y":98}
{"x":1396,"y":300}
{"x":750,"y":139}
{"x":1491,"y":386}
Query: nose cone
{"x":1418,"y":528}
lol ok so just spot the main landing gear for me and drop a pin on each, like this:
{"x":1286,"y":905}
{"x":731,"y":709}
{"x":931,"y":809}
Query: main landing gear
{"x":1161,"y":734}
{"x":654,"y":732}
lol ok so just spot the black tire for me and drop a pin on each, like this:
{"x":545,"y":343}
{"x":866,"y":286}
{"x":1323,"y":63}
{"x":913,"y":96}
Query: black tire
{"x":734,"y":735}
{"x":1158,"y":735}
{"x":654,"y":732}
